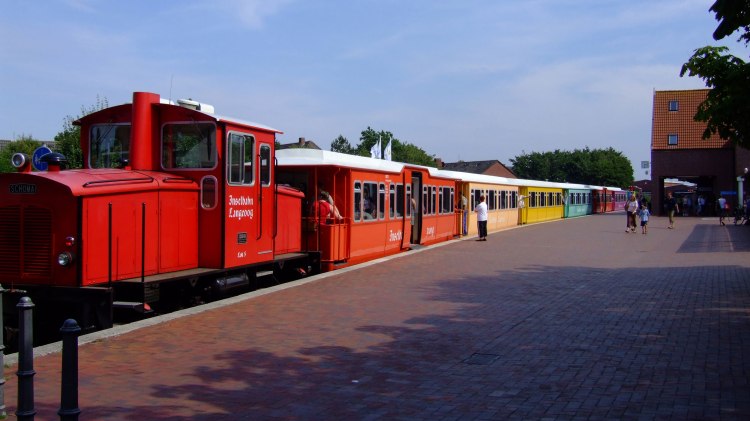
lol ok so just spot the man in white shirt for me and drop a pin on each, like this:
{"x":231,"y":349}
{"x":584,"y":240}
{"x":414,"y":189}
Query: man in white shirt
{"x":481,"y":210}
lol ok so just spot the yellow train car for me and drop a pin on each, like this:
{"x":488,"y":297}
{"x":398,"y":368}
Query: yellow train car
{"x":501,"y":195}
{"x":540,"y":202}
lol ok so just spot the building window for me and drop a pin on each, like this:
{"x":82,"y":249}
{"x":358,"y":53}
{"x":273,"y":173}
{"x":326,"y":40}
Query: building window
{"x":672,"y":139}
{"x":674,"y":105}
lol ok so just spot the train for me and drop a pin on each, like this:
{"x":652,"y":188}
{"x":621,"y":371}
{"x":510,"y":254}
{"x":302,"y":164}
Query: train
{"x":177,"y":205}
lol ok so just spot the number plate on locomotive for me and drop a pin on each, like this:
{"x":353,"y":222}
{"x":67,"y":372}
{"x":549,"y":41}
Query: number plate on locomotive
{"x":22,"y":188}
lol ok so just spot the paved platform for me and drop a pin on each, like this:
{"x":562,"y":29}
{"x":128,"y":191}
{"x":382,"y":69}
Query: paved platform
{"x":572,"y":319}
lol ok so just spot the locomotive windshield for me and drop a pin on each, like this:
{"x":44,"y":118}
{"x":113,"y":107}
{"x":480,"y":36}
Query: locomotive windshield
{"x":109,"y":145}
{"x":188,"y":145}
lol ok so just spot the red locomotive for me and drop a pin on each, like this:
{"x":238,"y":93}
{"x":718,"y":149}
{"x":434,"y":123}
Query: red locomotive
{"x":174,"y":204}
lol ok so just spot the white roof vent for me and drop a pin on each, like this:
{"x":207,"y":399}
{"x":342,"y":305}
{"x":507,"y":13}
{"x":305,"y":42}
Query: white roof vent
{"x":195,"y":105}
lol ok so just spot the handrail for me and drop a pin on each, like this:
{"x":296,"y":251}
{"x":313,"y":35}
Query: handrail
{"x":177,"y":180}
{"x":145,"y":179}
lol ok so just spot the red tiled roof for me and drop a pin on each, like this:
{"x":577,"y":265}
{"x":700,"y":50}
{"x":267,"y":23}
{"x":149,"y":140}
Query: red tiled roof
{"x":689,"y":132}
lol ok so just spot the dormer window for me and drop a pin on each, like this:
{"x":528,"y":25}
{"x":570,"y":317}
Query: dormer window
{"x":674,"y":105}
{"x":672,"y":139}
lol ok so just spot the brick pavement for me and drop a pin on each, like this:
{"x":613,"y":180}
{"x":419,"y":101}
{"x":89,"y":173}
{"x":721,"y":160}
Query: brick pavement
{"x":566,"y":320}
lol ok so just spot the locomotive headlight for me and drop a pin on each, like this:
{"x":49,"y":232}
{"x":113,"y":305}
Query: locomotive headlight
{"x":19,"y":160}
{"x":64,"y":258}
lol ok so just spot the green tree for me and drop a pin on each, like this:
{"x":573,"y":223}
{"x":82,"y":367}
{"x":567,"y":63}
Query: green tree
{"x":341,"y":144}
{"x":726,"y":108}
{"x":68,"y":141}
{"x":605,"y":167}
{"x":25,"y":144}
{"x":400,"y":151}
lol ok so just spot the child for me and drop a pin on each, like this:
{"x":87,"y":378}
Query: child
{"x":644,"y":213}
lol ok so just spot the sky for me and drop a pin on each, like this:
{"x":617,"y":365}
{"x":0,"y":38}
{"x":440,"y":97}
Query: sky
{"x":461,"y":79}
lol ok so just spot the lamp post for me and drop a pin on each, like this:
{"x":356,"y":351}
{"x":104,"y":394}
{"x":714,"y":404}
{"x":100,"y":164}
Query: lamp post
{"x":740,"y":192}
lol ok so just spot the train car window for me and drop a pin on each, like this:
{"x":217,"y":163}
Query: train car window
{"x":503,"y":199}
{"x":552,"y":199}
{"x":240,"y":159}
{"x":452,"y":200}
{"x":410,"y":208}
{"x":265,"y":165}
{"x":391,"y":201}
{"x":357,"y":201}
{"x":381,"y":201}
{"x":532,"y":199}
{"x":433,"y":198}
{"x":209,"y":192}
{"x":441,"y":205}
{"x":475,"y":194}
{"x":109,"y":145}
{"x":425,"y":200}
{"x":399,"y":201}
{"x":188,"y":146}
{"x":513,"y":199}
{"x":447,"y":200}
{"x":369,"y":201}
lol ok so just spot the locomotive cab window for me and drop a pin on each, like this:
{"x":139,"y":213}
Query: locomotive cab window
{"x":188,"y":146}
{"x":240,"y":159}
{"x":109,"y":145}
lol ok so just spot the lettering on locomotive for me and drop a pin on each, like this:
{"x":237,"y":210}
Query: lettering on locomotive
{"x":395,"y":236}
{"x":244,"y":207}
{"x":22,"y":188}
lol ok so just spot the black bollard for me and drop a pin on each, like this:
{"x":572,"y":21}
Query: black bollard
{"x":69,"y":410}
{"x":3,"y":413}
{"x":25,"y":410}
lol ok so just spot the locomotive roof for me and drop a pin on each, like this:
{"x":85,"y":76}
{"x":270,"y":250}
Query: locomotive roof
{"x":168,"y":103}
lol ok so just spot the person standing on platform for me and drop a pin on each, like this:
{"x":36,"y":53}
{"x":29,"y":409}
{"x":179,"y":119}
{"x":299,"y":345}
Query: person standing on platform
{"x":481,"y":210}
{"x":672,"y":207}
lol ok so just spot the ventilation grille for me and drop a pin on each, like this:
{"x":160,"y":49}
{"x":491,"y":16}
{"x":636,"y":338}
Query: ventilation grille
{"x":25,"y":242}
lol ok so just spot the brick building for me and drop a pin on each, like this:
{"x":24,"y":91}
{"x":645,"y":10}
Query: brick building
{"x":679,"y":151}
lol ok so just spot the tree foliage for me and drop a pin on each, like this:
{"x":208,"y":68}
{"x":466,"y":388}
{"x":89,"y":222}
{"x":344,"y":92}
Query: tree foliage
{"x":603,"y":167}
{"x":400,"y":151}
{"x":726,"y":108}
{"x":68,"y":141}
{"x":24,"y":144}
{"x":341,"y":144}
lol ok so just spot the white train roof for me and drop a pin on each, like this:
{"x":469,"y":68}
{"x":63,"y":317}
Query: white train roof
{"x":315,"y":157}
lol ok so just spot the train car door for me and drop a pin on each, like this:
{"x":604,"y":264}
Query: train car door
{"x":246,"y":238}
{"x":416,"y":207}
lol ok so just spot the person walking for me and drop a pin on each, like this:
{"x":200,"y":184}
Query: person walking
{"x":644,"y":214}
{"x":672,"y":207}
{"x":722,"y":209}
{"x":632,"y":209}
{"x":481,"y":210}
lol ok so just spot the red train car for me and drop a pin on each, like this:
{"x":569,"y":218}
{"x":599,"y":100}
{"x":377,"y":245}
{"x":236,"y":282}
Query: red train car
{"x":174,"y":203}
{"x":379,"y":207}
{"x":608,"y":199}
